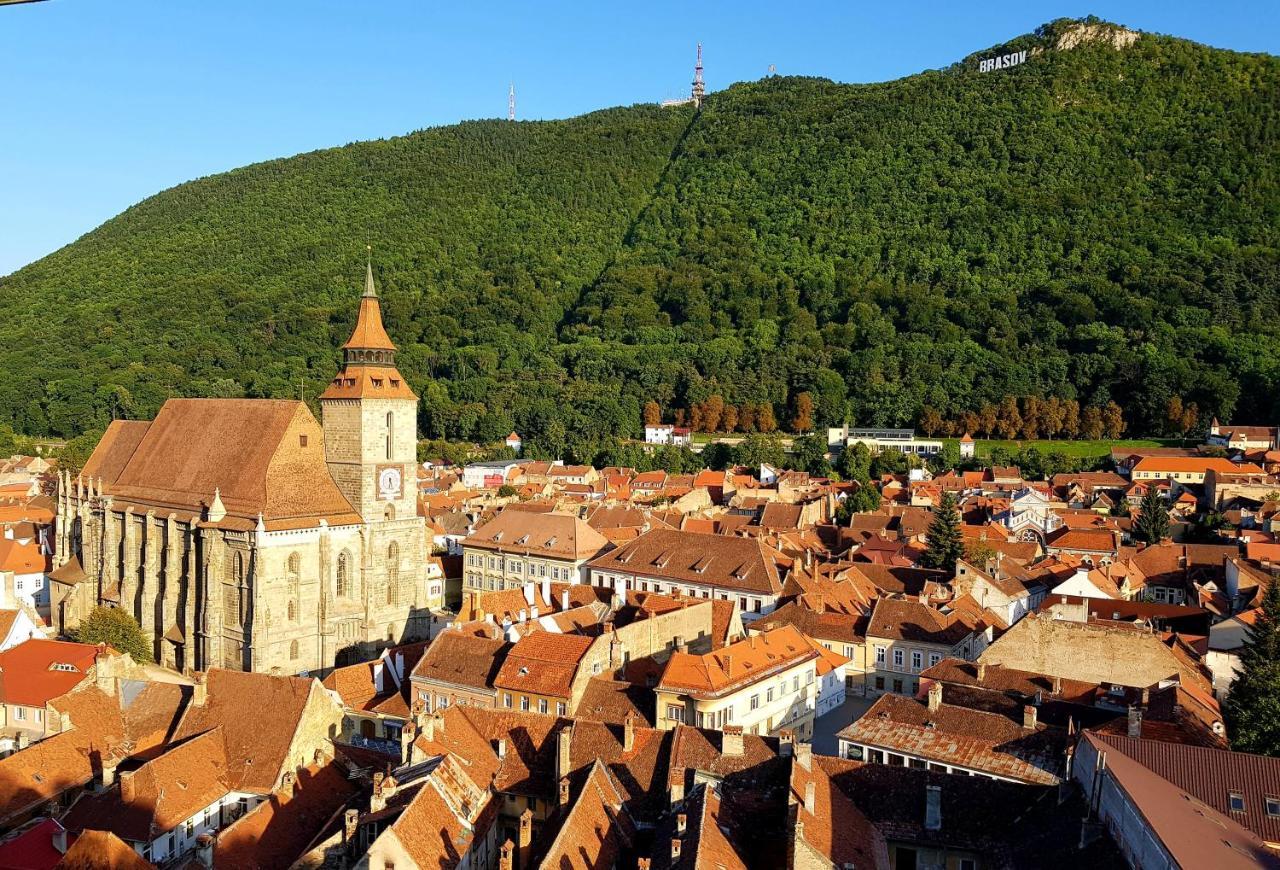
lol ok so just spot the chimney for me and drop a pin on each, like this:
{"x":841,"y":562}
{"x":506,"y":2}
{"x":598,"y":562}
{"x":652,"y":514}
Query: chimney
{"x":204,"y":850}
{"x":677,"y":786}
{"x":109,"y":763}
{"x":60,"y":840}
{"x":528,"y":592}
{"x":675,"y":849}
{"x":982,"y":672}
{"x":505,"y":860}
{"x":564,"y":792}
{"x":1028,"y":716}
{"x":644,"y":864}
{"x":524,"y":846}
{"x":546,"y":592}
{"x":502,"y":747}
{"x":682,"y":822}
{"x":128,"y":790}
{"x":933,"y":808}
{"x":810,"y":801}
{"x":786,"y":742}
{"x":287,"y":784}
{"x":564,"y":599}
{"x":350,"y":824}
{"x":408,"y":734}
{"x":731,"y":740}
{"x":378,"y":800}
{"x":564,"y":742}
{"x":629,"y":733}
{"x":935,"y":697}
{"x":804,"y":755}
{"x":608,"y":626}
{"x":200,"y":691}
{"x":1057,"y":685}
{"x":1135,"y":721}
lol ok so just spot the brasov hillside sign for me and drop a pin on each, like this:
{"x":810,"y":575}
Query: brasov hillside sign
{"x":1004,"y":61}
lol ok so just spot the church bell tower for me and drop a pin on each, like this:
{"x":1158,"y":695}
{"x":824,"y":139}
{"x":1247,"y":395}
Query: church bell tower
{"x":370,"y":419}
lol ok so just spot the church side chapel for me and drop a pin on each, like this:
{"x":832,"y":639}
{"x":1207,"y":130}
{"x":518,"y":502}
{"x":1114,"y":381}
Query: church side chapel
{"x":244,"y":534}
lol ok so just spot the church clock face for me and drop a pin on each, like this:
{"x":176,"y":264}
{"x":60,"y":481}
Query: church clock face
{"x":389,"y":482}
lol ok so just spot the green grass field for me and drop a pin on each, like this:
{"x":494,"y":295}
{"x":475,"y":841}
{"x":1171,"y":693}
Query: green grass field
{"x":1080,"y":449}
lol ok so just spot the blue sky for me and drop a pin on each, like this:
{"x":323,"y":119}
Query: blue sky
{"x":108,"y":101}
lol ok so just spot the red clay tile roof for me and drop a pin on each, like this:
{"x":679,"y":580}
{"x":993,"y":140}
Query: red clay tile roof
{"x":459,"y":659}
{"x":710,"y":560}
{"x":597,"y":830}
{"x":101,"y":850}
{"x":909,"y":620}
{"x":833,"y":824}
{"x":36,"y":670}
{"x":555,"y":535}
{"x":737,"y":665}
{"x":542,"y":663}
{"x":988,"y":742}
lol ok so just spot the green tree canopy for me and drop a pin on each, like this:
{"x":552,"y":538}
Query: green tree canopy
{"x":1252,"y":709}
{"x":116,"y":628}
{"x":944,"y":543}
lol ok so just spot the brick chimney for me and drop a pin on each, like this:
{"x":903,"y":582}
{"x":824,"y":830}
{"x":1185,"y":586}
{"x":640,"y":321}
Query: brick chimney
{"x":564,"y":743}
{"x":524,"y":845}
{"x":809,"y":800}
{"x":408,"y":734}
{"x":564,"y":792}
{"x":1135,"y":721}
{"x":506,"y":858}
{"x":643,"y":864}
{"x":675,"y":849}
{"x":200,"y":691}
{"x":629,"y":733}
{"x":1028,"y":716}
{"x":350,"y":824}
{"x":677,"y":785}
{"x":288,"y":783}
{"x":731,"y":740}
{"x":377,"y":800}
{"x":682,"y":822}
{"x":804,"y":755}
{"x":982,"y":672}
{"x":108,"y":774}
{"x":204,"y":850}
{"x":935,"y":697}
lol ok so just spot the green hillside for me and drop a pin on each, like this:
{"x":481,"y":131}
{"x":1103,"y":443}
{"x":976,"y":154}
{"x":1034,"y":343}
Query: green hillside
{"x":1096,"y":224}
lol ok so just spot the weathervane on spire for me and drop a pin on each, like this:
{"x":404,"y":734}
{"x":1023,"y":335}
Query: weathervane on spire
{"x":369,"y":289}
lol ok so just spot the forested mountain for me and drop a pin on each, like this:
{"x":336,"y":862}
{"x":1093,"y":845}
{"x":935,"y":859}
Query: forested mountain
{"x":1099,"y":223}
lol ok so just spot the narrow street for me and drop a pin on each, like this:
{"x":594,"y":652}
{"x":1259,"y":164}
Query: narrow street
{"x":826,"y":728}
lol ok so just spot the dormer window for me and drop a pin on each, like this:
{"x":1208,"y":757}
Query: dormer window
{"x":377,"y":382}
{"x":1235,"y":802}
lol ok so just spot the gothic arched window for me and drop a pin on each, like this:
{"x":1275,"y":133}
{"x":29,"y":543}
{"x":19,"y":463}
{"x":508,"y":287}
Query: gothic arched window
{"x":344,"y":574}
{"x":295,"y":585}
{"x":393,"y":573}
{"x":293,"y":650}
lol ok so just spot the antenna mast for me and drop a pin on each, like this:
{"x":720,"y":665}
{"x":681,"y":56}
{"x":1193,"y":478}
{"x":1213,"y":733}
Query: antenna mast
{"x":699,"y":88}
{"x":511,"y":103}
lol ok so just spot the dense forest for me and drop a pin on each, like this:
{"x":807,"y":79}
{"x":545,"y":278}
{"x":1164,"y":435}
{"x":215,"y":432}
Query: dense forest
{"x":1097,"y":227}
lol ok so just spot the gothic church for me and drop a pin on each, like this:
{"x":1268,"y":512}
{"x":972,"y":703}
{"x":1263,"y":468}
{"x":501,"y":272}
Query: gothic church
{"x":243,"y":534}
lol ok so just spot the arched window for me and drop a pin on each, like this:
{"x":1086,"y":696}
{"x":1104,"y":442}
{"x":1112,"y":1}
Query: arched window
{"x":233,"y":597}
{"x":293,"y":650}
{"x":390,"y":433}
{"x":389,"y":512}
{"x":295,"y":586}
{"x":393,"y":573}
{"x":344,"y":574}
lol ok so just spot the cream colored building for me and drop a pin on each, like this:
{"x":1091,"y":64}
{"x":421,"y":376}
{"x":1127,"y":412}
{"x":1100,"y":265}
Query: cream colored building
{"x":244,"y":534}
{"x":519,"y":546}
{"x":762,"y":685}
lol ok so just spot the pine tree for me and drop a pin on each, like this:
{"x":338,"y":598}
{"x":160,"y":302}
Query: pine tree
{"x":1152,"y":524}
{"x":945,"y":544}
{"x":1252,"y":709}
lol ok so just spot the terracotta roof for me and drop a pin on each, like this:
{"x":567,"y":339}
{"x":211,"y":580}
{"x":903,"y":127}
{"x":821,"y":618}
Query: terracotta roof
{"x":1087,"y":540}
{"x":711,"y":560}
{"x":1024,"y":684}
{"x":160,"y":795}
{"x":36,"y":670}
{"x":101,"y":850}
{"x":909,"y":620}
{"x":1193,"y":465}
{"x":368,"y":382}
{"x":597,"y":830}
{"x":738,"y":665}
{"x":259,"y":715}
{"x":837,"y":627}
{"x":278,"y":831}
{"x":833,"y":824}
{"x":114,"y":450}
{"x":707,"y":842}
{"x":551,"y":535}
{"x":455,"y":658}
{"x":611,"y":701}
{"x":357,"y":685}
{"x":977,"y":740}
{"x":249,"y":450}
{"x":1192,"y":832}
{"x":22,"y":558}
{"x":542,"y":663}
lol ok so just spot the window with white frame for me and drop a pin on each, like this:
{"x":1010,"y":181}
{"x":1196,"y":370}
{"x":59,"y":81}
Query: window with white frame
{"x":880,"y":653}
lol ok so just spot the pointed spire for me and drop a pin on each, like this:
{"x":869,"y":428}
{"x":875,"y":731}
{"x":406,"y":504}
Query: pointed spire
{"x":217,"y":510}
{"x":370,"y":291}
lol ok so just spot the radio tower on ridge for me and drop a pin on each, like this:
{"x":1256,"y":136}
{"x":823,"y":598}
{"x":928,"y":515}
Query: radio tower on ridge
{"x":699,"y":88}
{"x":511,"y":103}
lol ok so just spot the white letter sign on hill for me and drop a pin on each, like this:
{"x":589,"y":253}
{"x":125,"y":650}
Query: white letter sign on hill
{"x":1004,"y":61}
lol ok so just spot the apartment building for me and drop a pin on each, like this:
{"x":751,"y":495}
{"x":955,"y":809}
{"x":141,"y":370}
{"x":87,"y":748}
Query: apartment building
{"x":518,"y":546}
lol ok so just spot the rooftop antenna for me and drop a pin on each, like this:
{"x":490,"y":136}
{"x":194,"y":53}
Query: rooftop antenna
{"x":511,"y":103}
{"x":699,"y":87}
